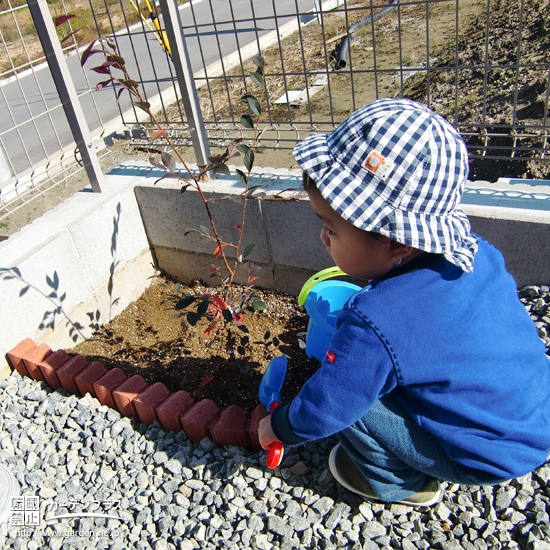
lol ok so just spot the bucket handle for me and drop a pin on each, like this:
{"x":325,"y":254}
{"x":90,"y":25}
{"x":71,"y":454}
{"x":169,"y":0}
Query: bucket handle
{"x":317,"y":278}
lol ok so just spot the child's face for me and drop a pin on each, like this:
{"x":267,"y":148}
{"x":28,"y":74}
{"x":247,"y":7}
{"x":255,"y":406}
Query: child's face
{"x":356,"y":252}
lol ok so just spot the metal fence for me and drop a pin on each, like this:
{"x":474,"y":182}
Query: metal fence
{"x":483,"y":64}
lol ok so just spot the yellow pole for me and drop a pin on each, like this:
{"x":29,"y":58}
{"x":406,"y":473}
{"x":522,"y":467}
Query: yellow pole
{"x":157,"y":31}
{"x":161,"y":36}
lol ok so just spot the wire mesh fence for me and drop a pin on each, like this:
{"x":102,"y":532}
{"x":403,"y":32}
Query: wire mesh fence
{"x":483,"y":64}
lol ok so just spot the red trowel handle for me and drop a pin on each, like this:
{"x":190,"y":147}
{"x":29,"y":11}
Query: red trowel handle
{"x":275,"y":451}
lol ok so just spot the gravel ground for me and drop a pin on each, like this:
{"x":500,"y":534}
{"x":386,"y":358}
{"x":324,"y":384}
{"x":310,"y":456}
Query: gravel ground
{"x":79,"y":457}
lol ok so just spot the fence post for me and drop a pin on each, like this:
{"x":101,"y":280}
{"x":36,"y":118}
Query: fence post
{"x":184,"y":73}
{"x":66,"y":90}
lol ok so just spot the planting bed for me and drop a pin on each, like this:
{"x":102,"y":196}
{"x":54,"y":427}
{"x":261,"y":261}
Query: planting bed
{"x":149,"y":365}
{"x":148,"y":339}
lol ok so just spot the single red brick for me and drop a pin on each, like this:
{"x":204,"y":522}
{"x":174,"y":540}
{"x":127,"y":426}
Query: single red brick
{"x":68,"y":371}
{"x":16,"y":354}
{"x":147,"y":402}
{"x":107,"y":384}
{"x":198,"y":419}
{"x":51,"y":365}
{"x":85,"y":380}
{"x":231,"y":428}
{"x":33,"y":358}
{"x":256,"y":415}
{"x":125,"y":394}
{"x":170,"y":412}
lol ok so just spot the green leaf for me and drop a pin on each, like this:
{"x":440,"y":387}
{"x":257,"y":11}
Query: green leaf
{"x":259,"y":61}
{"x":206,"y":230}
{"x":241,"y":350}
{"x":253,"y":104}
{"x":192,"y":318}
{"x":222,"y":169}
{"x":242,"y":176}
{"x":258,"y":79}
{"x":184,"y":302}
{"x":250,"y":191}
{"x":248,"y":249}
{"x":143,"y":105}
{"x":177,"y":287}
{"x":23,"y":291}
{"x":249,"y":159}
{"x":129,"y":83}
{"x":117,"y":59}
{"x":243,"y":148}
{"x":258,"y":305}
{"x":247,"y":122}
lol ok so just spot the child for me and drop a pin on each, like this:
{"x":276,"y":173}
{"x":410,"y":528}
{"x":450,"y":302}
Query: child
{"x":436,"y":370}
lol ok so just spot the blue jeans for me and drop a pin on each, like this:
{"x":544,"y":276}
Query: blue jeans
{"x":398,"y":457}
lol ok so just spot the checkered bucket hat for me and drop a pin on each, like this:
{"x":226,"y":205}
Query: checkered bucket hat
{"x":396,"y":168}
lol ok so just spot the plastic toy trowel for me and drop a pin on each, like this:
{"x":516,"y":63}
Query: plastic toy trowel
{"x":270,"y":395}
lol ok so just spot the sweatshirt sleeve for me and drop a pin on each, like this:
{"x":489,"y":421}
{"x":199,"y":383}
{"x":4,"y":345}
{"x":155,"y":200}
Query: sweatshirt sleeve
{"x":358,"y":369}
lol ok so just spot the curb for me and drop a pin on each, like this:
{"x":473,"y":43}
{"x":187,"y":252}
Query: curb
{"x":135,"y":398}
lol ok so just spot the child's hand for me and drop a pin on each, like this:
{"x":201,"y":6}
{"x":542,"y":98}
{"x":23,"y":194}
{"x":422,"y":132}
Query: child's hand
{"x":265,"y":433}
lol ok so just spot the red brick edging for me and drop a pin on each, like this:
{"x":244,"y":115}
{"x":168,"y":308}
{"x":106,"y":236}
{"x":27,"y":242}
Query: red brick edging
{"x":134,"y":398}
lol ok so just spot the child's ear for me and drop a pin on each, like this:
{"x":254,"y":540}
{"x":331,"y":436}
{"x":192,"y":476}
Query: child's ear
{"x":399,"y":251}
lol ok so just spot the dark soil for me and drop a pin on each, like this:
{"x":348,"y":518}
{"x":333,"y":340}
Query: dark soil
{"x":147,"y":339}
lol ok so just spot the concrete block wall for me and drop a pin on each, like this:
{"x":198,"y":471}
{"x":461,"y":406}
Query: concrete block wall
{"x":514,"y":215}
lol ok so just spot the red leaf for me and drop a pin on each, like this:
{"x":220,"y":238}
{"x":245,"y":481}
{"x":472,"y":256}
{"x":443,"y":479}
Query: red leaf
{"x":101,"y":69}
{"x":88,"y":52}
{"x":210,"y":328}
{"x":206,"y":380}
{"x":218,"y":251}
{"x":221,"y":304}
{"x":252,"y":279}
{"x":102,"y":85}
{"x":73,"y":33}
{"x":157,"y":134}
{"x":238,"y":227}
{"x":63,"y":19}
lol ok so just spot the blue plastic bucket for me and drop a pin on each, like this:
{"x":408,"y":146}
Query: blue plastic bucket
{"x":323,"y":305}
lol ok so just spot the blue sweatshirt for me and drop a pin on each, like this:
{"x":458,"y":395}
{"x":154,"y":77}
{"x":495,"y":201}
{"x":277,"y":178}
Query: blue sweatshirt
{"x":459,"y":350}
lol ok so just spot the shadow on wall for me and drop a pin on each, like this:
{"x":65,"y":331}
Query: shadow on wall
{"x":55,"y":296}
